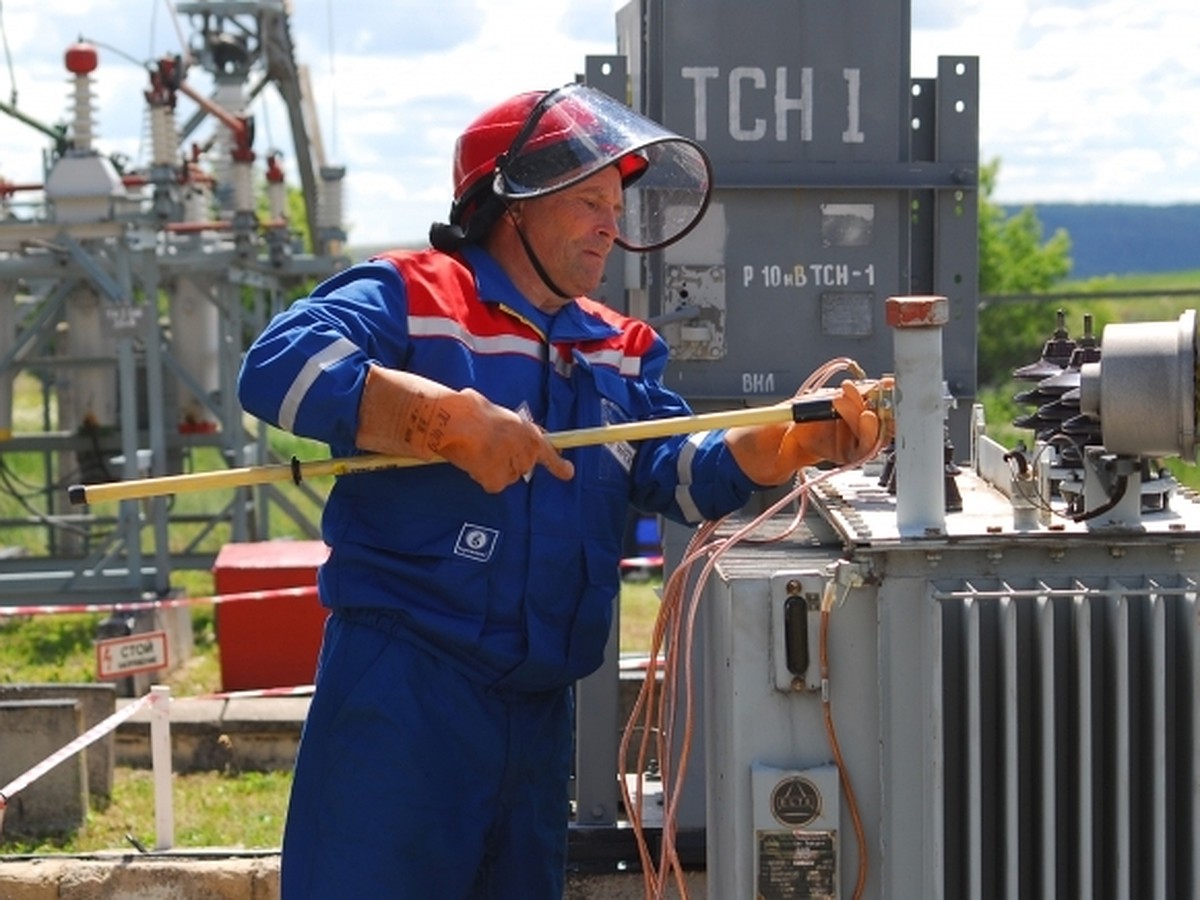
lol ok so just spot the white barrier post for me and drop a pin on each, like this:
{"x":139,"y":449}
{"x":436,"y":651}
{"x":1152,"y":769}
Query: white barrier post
{"x":160,"y":761}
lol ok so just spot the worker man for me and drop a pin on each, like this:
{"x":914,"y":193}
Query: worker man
{"x":468,"y":595}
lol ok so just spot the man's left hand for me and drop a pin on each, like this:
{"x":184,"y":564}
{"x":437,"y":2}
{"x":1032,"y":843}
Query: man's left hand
{"x":771,"y":454}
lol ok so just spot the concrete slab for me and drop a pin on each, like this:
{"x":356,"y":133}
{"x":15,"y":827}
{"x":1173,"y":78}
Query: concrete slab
{"x":264,"y":713}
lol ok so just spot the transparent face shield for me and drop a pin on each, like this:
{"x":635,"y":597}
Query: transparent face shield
{"x":575,"y":131}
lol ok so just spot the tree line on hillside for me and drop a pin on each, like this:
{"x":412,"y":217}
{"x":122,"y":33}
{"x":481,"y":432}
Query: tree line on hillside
{"x":1015,"y":257}
{"x":1125,"y":238}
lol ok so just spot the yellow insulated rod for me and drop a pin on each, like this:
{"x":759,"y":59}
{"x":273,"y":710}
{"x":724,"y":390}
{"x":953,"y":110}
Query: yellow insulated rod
{"x":811,"y":408}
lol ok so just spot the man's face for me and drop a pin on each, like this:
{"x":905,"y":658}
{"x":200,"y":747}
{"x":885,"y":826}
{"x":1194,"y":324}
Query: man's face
{"x":573,"y":230}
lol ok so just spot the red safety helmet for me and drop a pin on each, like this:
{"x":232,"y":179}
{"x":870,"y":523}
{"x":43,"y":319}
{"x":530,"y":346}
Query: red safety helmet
{"x":543,"y":141}
{"x":493,"y":136}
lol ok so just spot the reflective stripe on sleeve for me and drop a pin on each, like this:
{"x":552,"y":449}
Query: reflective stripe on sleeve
{"x":683,"y":468}
{"x":332,"y":354}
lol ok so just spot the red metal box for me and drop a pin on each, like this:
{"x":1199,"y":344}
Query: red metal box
{"x":270,"y":640}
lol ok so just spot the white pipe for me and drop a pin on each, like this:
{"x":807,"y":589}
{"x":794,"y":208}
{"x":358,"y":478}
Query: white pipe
{"x":920,"y":413}
{"x":160,"y":761}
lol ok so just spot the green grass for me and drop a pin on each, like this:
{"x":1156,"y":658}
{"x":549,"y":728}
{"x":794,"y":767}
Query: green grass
{"x":54,"y":649}
{"x":211,"y":809}
{"x":639,"y":611}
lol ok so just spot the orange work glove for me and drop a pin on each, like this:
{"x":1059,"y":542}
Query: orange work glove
{"x":771,"y":454}
{"x":402,"y":414}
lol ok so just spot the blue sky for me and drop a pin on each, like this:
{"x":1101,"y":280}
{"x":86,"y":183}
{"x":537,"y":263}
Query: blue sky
{"x":1081,"y":100}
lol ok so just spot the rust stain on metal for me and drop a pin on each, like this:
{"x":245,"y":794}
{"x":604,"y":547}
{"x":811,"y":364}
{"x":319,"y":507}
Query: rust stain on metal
{"x":917,"y":312}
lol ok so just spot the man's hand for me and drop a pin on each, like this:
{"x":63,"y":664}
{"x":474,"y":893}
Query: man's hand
{"x":771,"y":454}
{"x":403,"y":414}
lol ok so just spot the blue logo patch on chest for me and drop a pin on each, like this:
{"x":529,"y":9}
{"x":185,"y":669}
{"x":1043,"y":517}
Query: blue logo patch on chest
{"x":476,"y":542}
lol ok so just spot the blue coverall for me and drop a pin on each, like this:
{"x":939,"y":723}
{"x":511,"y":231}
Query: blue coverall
{"x":435,"y":759}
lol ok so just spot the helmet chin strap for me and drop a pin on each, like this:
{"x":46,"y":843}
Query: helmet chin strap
{"x":533,"y":258}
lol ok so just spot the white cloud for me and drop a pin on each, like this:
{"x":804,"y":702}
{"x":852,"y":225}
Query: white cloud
{"x":1083,"y":101}
{"x":1079,"y":100}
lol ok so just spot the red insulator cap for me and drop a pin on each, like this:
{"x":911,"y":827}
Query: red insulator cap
{"x":82,"y":59}
{"x":917,"y":312}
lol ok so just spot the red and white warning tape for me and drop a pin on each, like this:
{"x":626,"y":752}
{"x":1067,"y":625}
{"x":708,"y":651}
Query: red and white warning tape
{"x":52,"y":609}
{"x":300,"y":690}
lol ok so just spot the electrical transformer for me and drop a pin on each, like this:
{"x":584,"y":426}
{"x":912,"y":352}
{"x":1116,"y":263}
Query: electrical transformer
{"x":976,"y":680}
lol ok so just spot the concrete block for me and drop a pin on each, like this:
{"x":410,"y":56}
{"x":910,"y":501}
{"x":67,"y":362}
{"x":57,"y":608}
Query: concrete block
{"x":31,"y":879}
{"x":195,"y":737}
{"x":211,"y":734}
{"x":30,"y":731}
{"x":98,"y":701}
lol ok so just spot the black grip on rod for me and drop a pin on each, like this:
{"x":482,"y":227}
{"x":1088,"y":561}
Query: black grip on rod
{"x":816,"y":409}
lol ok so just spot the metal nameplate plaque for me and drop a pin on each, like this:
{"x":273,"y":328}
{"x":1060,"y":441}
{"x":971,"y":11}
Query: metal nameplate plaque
{"x":796,"y":865}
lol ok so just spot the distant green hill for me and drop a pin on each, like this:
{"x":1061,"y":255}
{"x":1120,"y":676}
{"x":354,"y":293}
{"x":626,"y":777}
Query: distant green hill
{"x":1121,"y":239}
